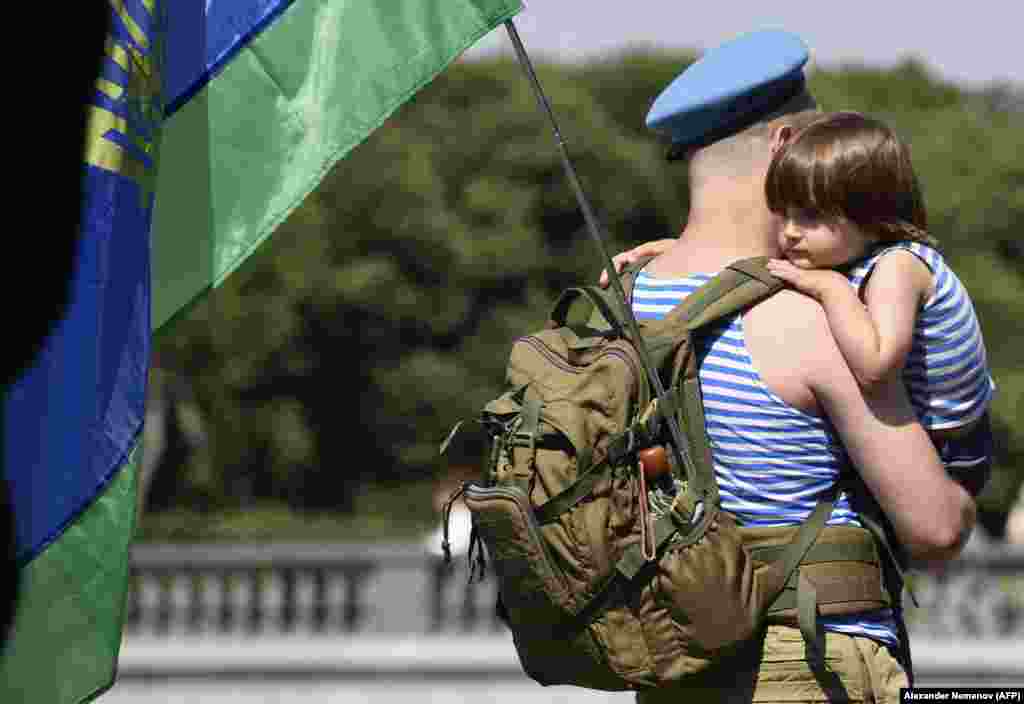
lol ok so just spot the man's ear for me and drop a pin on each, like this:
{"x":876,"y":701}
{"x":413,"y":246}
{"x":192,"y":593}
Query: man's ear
{"x":780,"y":136}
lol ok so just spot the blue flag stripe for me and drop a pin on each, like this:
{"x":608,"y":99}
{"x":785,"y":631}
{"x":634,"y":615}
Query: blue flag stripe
{"x":71,"y":419}
{"x":206,"y":36}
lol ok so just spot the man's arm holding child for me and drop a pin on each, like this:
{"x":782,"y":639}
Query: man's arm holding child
{"x":932,"y":515}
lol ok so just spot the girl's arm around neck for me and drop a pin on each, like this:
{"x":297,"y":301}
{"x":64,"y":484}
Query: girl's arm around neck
{"x":875,"y":335}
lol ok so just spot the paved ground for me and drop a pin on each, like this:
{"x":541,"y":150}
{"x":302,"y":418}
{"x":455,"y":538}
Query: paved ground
{"x":361,"y":692}
{"x":425,"y":670}
{"x":364,"y":670}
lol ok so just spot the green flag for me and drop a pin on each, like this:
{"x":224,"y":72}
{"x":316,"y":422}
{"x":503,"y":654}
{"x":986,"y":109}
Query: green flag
{"x":246,"y":150}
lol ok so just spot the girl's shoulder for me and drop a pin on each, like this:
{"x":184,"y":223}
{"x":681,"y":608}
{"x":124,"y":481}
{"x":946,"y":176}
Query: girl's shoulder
{"x":927,"y":254}
{"x":905,"y":258}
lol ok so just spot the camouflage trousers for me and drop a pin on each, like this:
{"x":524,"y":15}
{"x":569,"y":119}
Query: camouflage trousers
{"x":855,"y":669}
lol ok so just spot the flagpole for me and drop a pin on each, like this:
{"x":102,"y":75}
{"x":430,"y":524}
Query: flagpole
{"x":677,"y":444}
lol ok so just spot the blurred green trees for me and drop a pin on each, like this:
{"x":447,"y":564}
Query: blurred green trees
{"x":383,"y":310}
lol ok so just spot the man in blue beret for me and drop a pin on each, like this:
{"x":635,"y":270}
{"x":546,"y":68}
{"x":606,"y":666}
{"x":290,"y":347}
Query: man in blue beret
{"x":777,"y":391}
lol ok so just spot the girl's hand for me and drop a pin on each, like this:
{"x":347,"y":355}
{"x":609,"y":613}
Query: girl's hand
{"x":814,"y":282}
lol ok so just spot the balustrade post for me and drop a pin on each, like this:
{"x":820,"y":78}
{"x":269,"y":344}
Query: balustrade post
{"x":165,"y":601}
{"x":197,"y":604}
{"x":223,"y":576}
{"x":254,"y":622}
{"x":355,"y":576}
{"x":320,"y":608}
{"x":288,"y":610}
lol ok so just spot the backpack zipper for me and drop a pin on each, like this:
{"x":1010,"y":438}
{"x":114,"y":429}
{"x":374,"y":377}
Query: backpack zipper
{"x":549,"y":354}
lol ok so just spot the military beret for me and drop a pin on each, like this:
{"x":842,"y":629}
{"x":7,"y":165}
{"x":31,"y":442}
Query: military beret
{"x":729,"y":88}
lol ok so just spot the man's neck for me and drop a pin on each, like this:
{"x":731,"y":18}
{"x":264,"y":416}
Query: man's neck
{"x":717,"y":236}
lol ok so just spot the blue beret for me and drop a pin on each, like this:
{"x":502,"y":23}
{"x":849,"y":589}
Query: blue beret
{"x":729,"y":88}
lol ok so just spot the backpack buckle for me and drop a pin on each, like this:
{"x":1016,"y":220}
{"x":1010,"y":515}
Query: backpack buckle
{"x":621,"y":446}
{"x":630,"y":440}
{"x":524,"y":433}
{"x":525,"y":439}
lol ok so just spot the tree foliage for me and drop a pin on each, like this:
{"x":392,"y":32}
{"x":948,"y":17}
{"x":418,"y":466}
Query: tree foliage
{"x":382,"y":312}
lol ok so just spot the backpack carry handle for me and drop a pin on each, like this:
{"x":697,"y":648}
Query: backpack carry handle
{"x":599,"y":302}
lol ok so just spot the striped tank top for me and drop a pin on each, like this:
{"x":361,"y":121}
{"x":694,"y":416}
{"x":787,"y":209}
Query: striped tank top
{"x":773,"y":462}
{"x":946,"y":372}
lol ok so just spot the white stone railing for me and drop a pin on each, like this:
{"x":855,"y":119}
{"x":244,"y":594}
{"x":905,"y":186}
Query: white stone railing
{"x":302,"y":588}
{"x":381,"y":589}
{"x":978,"y":596}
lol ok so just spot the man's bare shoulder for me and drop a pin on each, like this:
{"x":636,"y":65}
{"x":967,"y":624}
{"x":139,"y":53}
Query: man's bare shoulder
{"x":791,"y":310}
{"x":788,"y":339}
{"x":795,"y":324}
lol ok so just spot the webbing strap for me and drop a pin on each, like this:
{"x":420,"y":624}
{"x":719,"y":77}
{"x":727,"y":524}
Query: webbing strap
{"x":794,"y":553}
{"x":629,"y":274}
{"x":806,"y":594}
{"x":756,"y":268}
{"x":807,"y":616}
{"x":703,"y":485}
{"x":860,"y":551}
{"x":600,"y":301}
{"x":527,"y":432}
{"x":880,"y":535}
{"x":694,"y":305}
{"x":895,"y":590}
{"x":575,"y":492}
{"x":739,"y":285}
{"x":612,"y":586}
{"x":632,"y":560}
{"x":866,"y":586}
{"x":627,"y":277}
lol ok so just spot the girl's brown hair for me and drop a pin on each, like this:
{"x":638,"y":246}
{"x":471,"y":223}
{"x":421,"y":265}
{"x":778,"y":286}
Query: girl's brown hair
{"x":849,"y":167}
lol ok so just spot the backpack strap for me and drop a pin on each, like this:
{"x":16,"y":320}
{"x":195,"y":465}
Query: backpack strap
{"x":628,"y":279}
{"x":737,"y":287}
{"x":629,"y":274}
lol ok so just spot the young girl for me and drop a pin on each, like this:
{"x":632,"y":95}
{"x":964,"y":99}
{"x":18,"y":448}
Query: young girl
{"x":854,"y":215}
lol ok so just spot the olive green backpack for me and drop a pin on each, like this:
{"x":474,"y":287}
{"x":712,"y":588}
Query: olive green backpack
{"x":613,"y":580}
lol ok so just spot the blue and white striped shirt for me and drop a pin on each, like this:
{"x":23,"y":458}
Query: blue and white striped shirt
{"x":773,"y":462}
{"x":946,"y":372}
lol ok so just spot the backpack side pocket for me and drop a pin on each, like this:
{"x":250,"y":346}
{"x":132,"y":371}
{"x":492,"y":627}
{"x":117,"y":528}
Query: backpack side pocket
{"x":535,"y":594}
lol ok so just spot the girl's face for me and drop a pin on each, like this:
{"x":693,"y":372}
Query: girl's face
{"x":811,"y":241}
